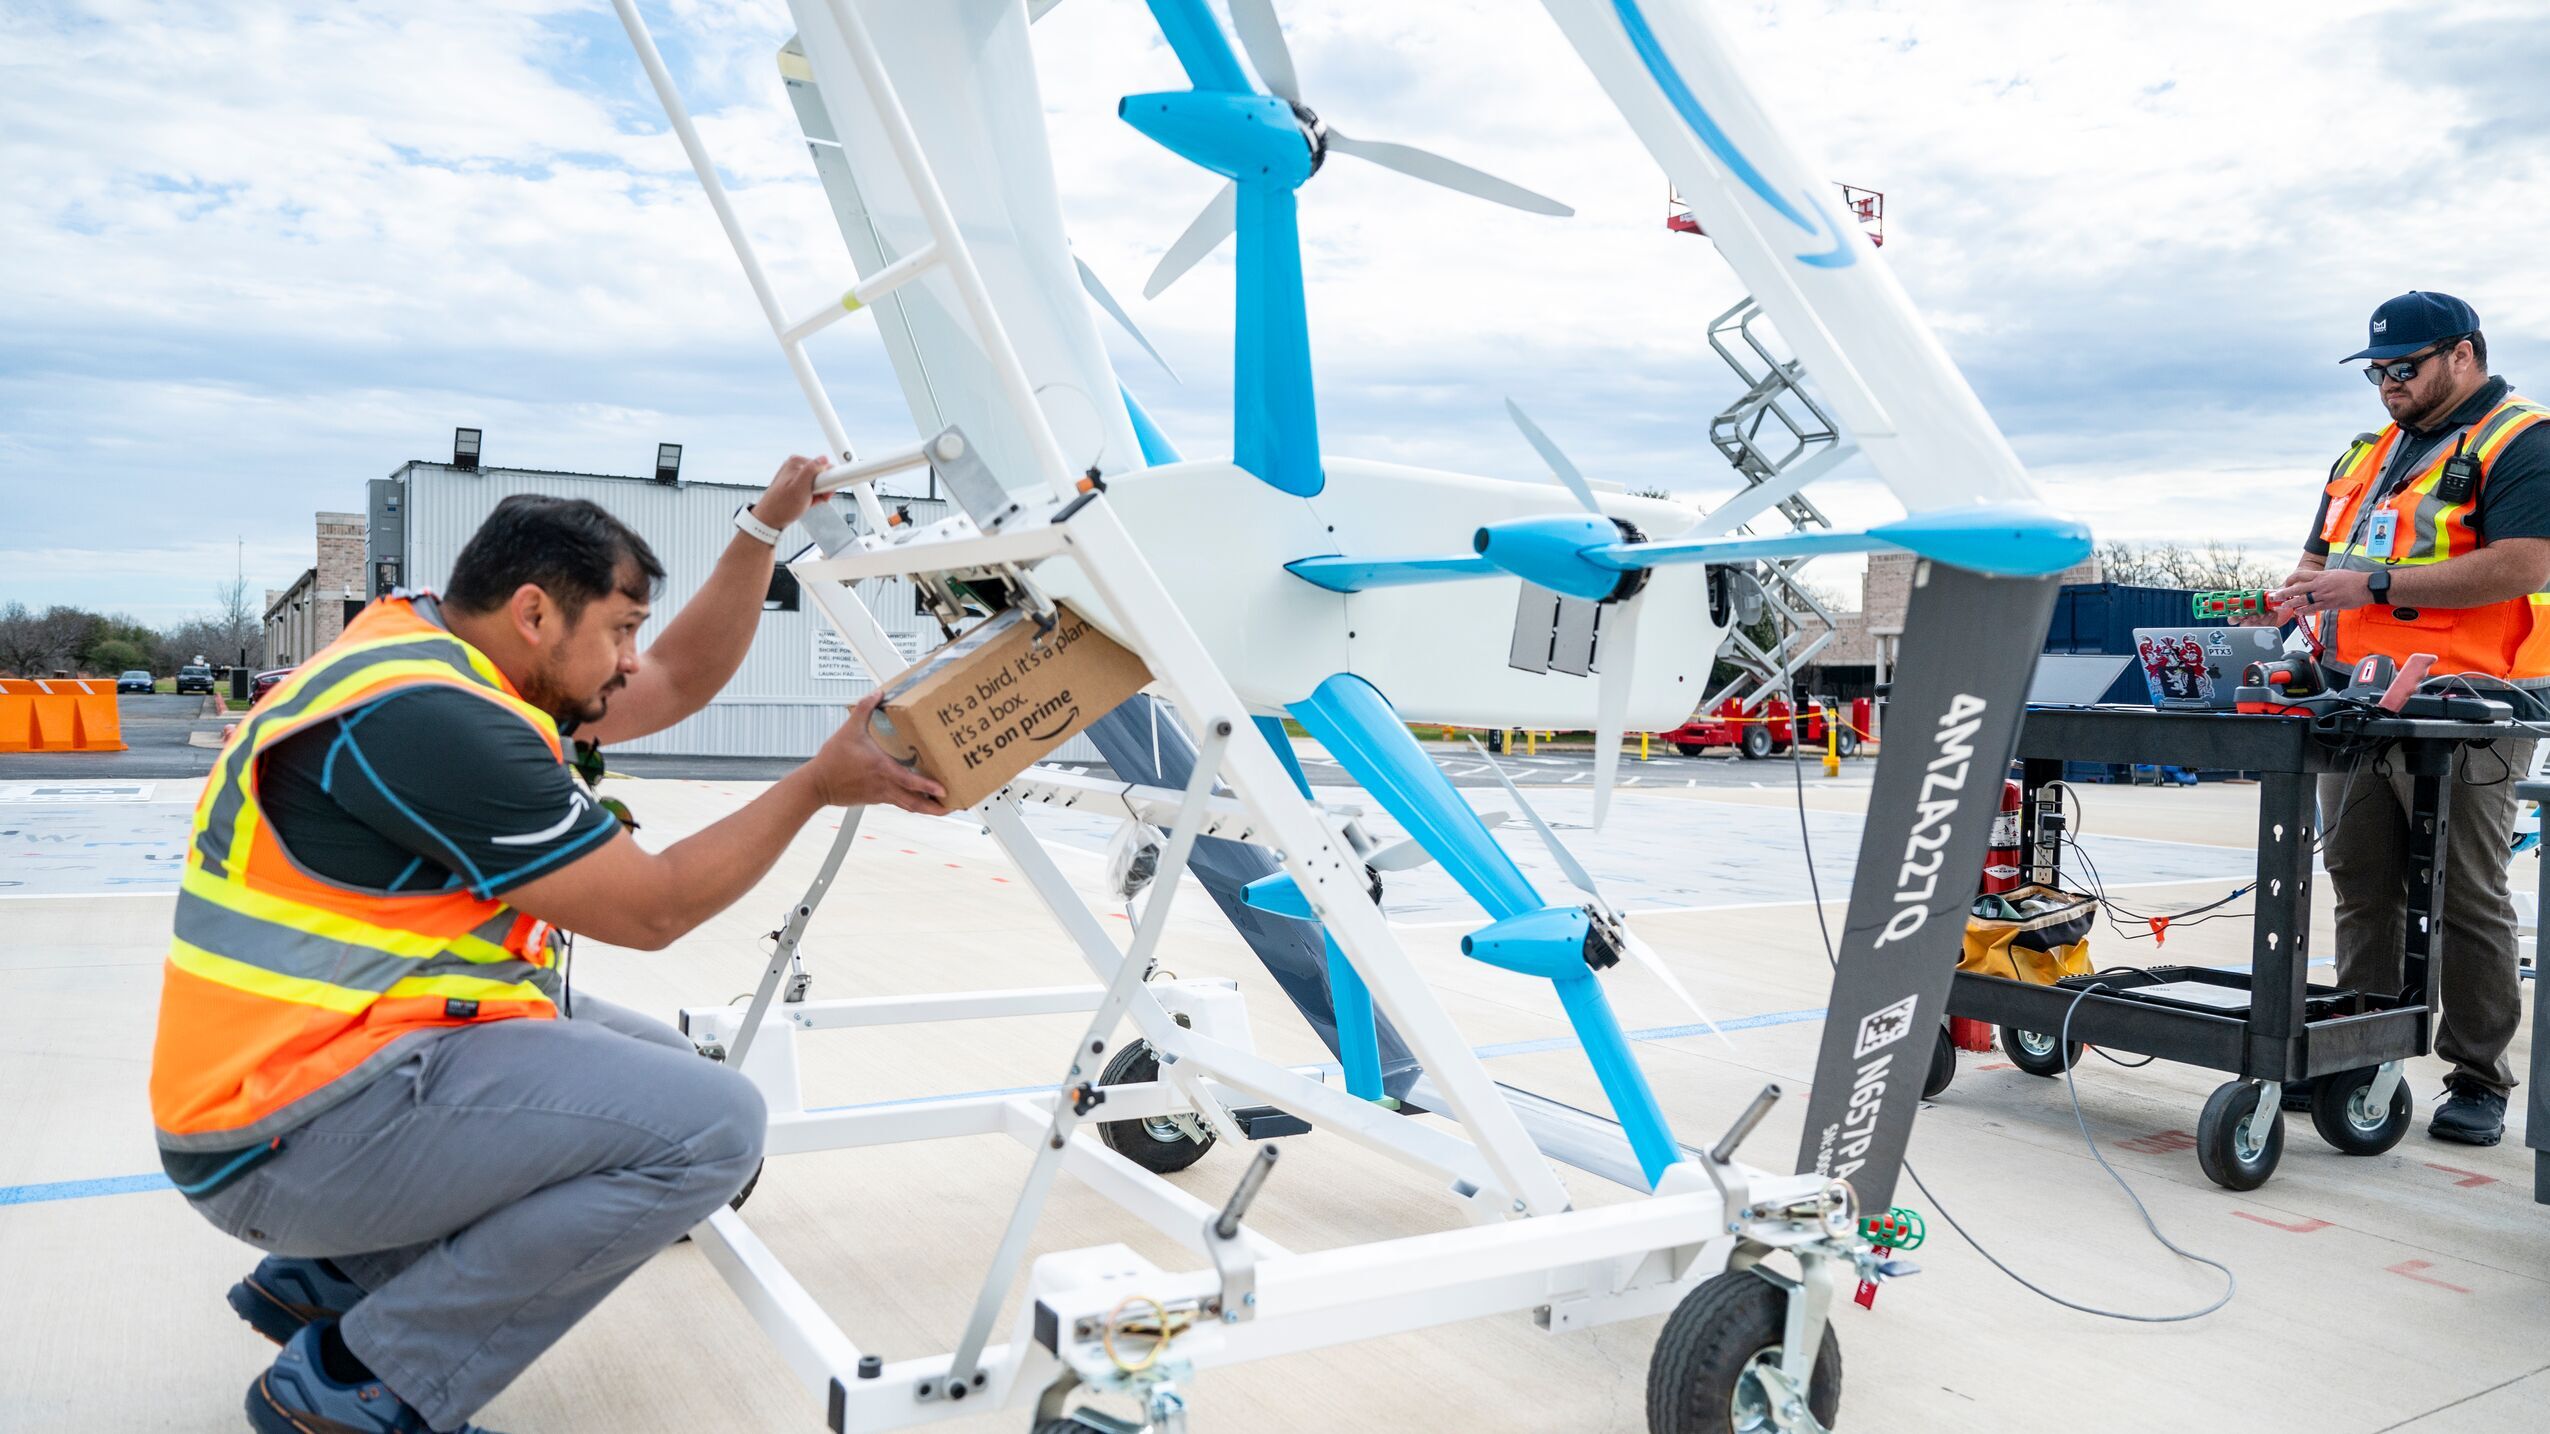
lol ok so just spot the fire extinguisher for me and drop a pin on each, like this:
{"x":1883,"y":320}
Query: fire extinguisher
{"x":2001,"y":863}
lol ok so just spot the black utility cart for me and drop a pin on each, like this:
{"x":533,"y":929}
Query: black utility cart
{"x":2536,"y":1126}
{"x":2270,"y":1024}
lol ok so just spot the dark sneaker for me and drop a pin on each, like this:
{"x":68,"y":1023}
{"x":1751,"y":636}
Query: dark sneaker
{"x":296,"y":1396}
{"x":281,"y":1295}
{"x":2472,"y":1114}
{"x":2297,"y":1093}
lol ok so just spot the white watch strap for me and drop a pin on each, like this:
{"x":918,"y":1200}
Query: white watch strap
{"x":745,"y":522}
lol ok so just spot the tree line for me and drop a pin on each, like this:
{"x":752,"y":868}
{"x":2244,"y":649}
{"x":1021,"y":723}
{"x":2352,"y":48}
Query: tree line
{"x":67,"y":641}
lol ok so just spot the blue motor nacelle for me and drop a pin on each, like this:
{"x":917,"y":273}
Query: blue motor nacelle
{"x":1255,"y":139}
{"x":1555,"y":551}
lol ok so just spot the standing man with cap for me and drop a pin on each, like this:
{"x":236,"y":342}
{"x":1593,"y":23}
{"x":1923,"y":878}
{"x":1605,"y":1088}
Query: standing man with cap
{"x":2433,"y":536}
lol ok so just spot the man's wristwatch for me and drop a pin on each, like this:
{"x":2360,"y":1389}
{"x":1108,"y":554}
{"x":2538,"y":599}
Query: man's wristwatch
{"x":745,"y":522}
{"x":2379,"y":585}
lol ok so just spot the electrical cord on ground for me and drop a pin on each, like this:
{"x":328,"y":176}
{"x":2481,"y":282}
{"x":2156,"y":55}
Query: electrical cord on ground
{"x":2231,"y":1281}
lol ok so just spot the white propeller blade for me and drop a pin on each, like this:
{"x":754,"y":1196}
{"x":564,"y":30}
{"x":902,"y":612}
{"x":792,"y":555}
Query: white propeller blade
{"x":1556,"y":460}
{"x":1646,"y":956}
{"x":1435,"y":169}
{"x":1638,"y":949}
{"x":1107,"y":301}
{"x":1611,"y":698}
{"x":1202,"y":237}
{"x":1263,"y":39}
{"x":1576,"y":873}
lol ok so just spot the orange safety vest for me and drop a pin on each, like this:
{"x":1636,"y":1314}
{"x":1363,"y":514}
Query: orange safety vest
{"x":2509,"y":639}
{"x":280,"y":984}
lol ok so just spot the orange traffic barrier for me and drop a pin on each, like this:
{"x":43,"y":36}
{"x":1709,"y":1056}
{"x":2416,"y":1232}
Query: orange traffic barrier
{"x":59,"y":715}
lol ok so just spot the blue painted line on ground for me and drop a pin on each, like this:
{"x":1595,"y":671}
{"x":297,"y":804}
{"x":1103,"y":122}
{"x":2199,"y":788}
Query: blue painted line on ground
{"x":82,"y":1189}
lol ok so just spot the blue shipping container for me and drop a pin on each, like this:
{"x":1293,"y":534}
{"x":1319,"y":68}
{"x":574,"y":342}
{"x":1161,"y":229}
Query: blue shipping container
{"x":2101,"y":618}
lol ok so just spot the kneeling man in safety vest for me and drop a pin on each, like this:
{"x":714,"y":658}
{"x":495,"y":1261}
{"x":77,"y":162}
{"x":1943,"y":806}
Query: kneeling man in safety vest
{"x":368,"y":1062}
{"x":2434,"y":536}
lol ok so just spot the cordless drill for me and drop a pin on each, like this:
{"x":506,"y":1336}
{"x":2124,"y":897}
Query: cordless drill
{"x":2279,"y":685}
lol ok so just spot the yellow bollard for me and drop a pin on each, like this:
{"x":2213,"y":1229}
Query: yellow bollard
{"x":1531,"y":744}
{"x":1642,"y":746}
{"x":1832,"y":745}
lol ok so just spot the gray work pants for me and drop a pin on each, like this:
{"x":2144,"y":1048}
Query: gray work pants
{"x":2364,"y":821}
{"x":489,"y":1190}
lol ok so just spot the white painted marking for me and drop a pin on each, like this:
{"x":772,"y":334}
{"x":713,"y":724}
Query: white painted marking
{"x":76,"y":793}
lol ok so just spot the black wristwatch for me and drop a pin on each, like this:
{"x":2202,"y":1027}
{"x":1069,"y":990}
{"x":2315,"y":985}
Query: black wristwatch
{"x":2379,"y":585}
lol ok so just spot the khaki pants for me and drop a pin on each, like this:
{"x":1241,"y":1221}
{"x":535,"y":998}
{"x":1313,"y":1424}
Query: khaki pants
{"x":2364,"y":826}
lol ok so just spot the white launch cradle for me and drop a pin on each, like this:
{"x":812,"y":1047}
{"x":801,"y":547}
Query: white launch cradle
{"x":1516,"y":1244}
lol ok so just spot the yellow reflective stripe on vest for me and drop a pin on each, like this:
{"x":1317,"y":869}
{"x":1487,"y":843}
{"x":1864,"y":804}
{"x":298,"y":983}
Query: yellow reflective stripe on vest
{"x":258,"y":981}
{"x":345,"y":1001}
{"x":336,"y":925}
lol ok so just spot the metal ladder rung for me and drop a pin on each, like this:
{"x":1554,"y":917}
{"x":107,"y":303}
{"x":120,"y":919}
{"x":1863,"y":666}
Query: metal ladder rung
{"x":867,"y":291}
{"x":948,"y":555}
{"x":868,"y":470}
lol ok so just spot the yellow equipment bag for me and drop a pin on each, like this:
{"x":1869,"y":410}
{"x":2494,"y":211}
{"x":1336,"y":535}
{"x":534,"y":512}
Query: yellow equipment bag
{"x":2049,"y":941}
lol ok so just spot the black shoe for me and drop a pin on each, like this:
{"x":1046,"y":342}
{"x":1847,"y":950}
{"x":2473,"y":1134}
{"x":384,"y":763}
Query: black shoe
{"x":2473,"y":1114}
{"x":2297,"y":1093}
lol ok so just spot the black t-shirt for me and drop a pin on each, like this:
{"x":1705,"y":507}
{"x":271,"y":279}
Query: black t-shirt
{"x":2514,"y":502}
{"x":428,"y":789}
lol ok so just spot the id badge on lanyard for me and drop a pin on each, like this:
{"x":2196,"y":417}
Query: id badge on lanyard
{"x":2380,"y":539}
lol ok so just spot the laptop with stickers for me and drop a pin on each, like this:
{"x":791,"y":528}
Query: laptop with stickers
{"x":2198,"y":668}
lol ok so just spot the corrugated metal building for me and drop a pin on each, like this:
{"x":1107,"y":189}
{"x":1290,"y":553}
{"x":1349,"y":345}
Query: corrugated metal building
{"x":791,"y":690}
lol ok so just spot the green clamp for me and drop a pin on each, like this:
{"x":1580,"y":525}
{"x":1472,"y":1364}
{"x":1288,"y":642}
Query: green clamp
{"x":2227,"y":604}
{"x":1898,"y":1229}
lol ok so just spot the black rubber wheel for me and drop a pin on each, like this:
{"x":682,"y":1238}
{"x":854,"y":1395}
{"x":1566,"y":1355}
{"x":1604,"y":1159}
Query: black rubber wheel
{"x":749,"y":1182}
{"x":2339,"y":1114}
{"x":2038,"y":1053}
{"x":1846,"y":742}
{"x":2222,"y":1138}
{"x":1755,"y":743}
{"x":1943,"y":1067}
{"x":1699,"y":1379}
{"x":1689,"y":749}
{"x":1158,"y":1146}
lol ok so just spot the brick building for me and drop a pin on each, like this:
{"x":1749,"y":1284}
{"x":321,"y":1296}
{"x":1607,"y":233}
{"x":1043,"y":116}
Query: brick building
{"x":308,"y":615}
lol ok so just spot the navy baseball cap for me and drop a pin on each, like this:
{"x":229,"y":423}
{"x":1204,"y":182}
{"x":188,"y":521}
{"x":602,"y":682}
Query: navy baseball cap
{"x":2412,"y":321}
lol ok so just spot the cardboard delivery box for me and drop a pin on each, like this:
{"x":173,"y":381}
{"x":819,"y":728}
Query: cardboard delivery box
{"x":1004,"y":694}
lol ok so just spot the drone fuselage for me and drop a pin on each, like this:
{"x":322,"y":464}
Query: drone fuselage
{"x":1219,"y":539}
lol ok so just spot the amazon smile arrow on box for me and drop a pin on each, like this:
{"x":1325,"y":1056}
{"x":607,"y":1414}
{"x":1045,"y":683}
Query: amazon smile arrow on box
{"x":1001,"y":697}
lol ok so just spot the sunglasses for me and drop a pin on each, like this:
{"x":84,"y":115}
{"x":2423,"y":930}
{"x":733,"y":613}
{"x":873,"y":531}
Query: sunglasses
{"x":2402,"y":370}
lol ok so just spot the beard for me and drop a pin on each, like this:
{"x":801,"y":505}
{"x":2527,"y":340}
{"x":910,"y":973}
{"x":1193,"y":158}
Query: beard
{"x":549,"y":691}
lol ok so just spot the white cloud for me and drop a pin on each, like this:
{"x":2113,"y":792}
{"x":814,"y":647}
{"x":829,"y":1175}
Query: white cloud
{"x":262,"y":251}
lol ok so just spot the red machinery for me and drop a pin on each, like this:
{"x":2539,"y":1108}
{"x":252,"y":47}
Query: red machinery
{"x":1770,"y":730}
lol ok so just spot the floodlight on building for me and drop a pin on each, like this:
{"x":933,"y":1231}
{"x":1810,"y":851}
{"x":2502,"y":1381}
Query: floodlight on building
{"x":668,"y":463}
{"x":465,"y":449}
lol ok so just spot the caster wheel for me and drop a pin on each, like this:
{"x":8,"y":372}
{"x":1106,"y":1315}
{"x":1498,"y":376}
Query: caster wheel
{"x":1756,"y":742}
{"x":1846,"y":743}
{"x":1943,"y":1066}
{"x":1702,"y":1380}
{"x":1159,"y":1145}
{"x":2223,"y":1146}
{"x":1689,"y":749}
{"x":2037,"y":1054}
{"x":2340,"y":1113}
{"x":749,"y":1182}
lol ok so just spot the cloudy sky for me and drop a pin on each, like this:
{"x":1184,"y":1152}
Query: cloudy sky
{"x":259,"y":252}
